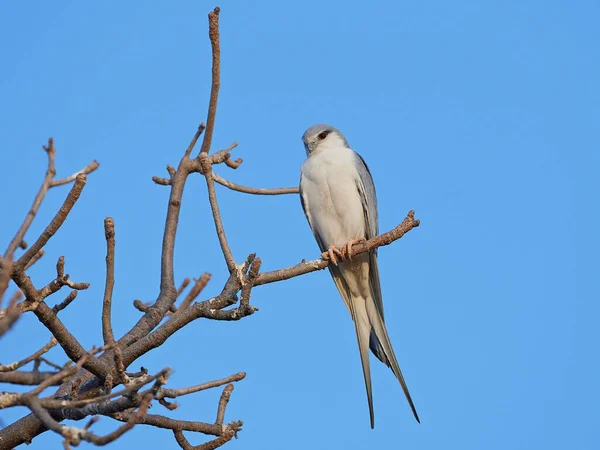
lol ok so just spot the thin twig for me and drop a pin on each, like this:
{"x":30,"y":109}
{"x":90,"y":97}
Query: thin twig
{"x":109,"y":233}
{"x":213,"y":34}
{"x":11,"y":314}
{"x":199,"y":131}
{"x":223,"y":404}
{"x":249,"y":284}
{"x":35,"y":259}
{"x":159,"y":421}
{"x":28,"y":378}
{"x":134,"y":386}
{"x":174,"y":393}
{"x":55,"y":224}
{"x":18,"y":364}
{"x":86,"y":170}
{"x":222,"y":156}
{"x":66,"y":372}
{"x":195,"y":291}
{"x":214,"y":205}
{"x":5,"y":271}
{"x":69,"y":343}
{"x":37,"y":201}
{"x":51,"y":364}
{"x":66,"y":302}
{"x":252,"y":190}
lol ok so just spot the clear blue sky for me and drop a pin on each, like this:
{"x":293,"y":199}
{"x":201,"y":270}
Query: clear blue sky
{"x":484,"y":117}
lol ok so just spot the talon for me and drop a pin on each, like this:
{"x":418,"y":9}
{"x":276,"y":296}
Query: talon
{"x":348,"y":247}
{"x":332,"y":254}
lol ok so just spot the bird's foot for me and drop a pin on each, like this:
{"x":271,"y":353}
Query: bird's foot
{"x":347,"y":248}
{"x":332,"y":254}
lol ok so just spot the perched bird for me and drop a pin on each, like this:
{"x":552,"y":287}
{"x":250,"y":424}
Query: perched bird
{"x":338,"y":198}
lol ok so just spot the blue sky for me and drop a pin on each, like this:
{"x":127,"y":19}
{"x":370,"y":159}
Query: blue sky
{"x":484,"y":117}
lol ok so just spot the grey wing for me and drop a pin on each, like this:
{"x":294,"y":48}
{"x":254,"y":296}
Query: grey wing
{"x":366,"y":189}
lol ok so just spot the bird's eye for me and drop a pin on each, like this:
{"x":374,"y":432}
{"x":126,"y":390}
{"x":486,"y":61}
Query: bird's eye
{"x":323,"y":135}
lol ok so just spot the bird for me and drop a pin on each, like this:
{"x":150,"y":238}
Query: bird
{"x":338,"y":198}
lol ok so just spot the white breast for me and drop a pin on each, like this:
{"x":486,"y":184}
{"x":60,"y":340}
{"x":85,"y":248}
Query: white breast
{"x":332,"y":200}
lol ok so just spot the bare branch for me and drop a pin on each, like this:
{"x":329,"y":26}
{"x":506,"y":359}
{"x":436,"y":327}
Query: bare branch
{"x":223,"y":404}
{"x":54,"y":225}
{"x":35,"y":259}
{"x":86,"y":171}
{"x":18,"y":364}
{"x":27,"y":378}
{"x":73,"y":435}
{"x":188,"y":151}
{"x":174,"y":393}
{"x":37,"y":201}
{"x":66,"y":302}
{"x":214,"y":205}
{"x":213,"y":34}
{"x":109,"y":233}
{"x":10,"y":315}
{"x":161,"y":181}
{"x":249,"y":284}
{"x":5,"y":271}
{"x":182,"y":286}
{"x":143,"y":307}
{"x":67,"y":341}
{"x":173,"y":424}
{"x":66,"y":371}
{"x":251,"y":190}
{"x":195,"y":291}
{"x":229,"y":433}
{"x":222,"y":155}
{"x":318,"y":264}
{"x":134,"y":386}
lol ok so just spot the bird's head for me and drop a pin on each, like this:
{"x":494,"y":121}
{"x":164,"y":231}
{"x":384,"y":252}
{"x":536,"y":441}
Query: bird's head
{"x":322,"y":137}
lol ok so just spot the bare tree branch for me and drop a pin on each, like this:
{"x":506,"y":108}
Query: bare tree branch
{"x":109,"y":233}
{"x":223,"y":404}
{"x":66,"y":302}
{"x":212,"y":198}
{"x":213,"y":34}
{"x":174,"y":393}
{"x":28,"y":378}
{"x":224,"y":155}
{"x":86,"y":171}
{"x":195,"y":291}
{"x":55,"y":224}
{"x":318,"y":264}
{"x":37,"y":201}
{"x":18,"y":364}
{"x":35,"y":258}
{"x":252,"y":190}
{"x":6,"y":269}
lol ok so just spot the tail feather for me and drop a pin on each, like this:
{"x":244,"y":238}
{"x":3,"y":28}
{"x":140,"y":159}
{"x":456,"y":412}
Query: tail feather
{"x":381,"y":335}
{"x":363,"y":330}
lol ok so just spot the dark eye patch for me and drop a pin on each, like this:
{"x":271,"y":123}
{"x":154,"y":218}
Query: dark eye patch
{"x":323,"y":134}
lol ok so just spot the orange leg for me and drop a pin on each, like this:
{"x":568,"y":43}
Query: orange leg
{"x":347,"y":249}
{"x":332,"y":254}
